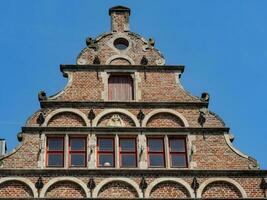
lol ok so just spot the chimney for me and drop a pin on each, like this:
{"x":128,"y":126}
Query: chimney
{"x":3,"y":147}
{"x":119,"y":18}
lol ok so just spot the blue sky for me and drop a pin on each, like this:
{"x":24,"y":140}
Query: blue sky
{"x":222,"y":43}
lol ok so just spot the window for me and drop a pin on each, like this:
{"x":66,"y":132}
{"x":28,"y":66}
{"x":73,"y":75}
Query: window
{"x":156,"y":152}
{"x":120,"y":88}
{"x":105,"y":152}
{"x":127,"y":152}
{"x":55,"y":152}
{"x":77,"y":152}
{"x":178,"y":155}
{"x":121,"y":43}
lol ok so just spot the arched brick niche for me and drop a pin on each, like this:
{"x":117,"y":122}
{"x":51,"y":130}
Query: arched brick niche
{"x":66,"y":119}
{"x":169,"y":188}
{"x":221,"y":188}
{"x":117,"y":189}
{"x":116,"y":120}
{"x":15,"y":188}
{"x":66,"y":189}
{"x":120,"y":61}
{"x":165,"y":120}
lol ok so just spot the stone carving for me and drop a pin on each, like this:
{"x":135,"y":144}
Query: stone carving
{"x":115,"y":121}
{"x":91,"y":43}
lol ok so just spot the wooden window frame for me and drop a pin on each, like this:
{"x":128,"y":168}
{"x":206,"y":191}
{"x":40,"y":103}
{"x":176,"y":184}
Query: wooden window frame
{"x":111,"y":75}
{"x":156,"y":152}
{"x":105,"y":152}
{"x":55,"y":152}
{"x":121,"y":152}
{"x":184,"y":153}
{"x":84,"y":152}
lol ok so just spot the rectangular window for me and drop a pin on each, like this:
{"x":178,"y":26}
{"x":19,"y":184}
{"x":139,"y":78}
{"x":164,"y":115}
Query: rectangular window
{"x":127,"y":152}
{"x":120,"y":88}
{"x":77,"y":152}
{"x":105,"y":152}
{"x":156,"y":152}
{"x":55,"y":152}
{"x":178,"y":154}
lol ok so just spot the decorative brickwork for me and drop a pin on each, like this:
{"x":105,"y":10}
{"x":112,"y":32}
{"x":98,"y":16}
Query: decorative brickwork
{"x":164,"y":120}
{"x":65,"y":189}
{"x":15,"y":189}
{"x":116,"y":119}
{"x":117,"y":189}
{"x":66,"y":119}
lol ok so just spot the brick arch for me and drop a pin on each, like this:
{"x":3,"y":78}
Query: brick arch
{"x":76,"y":184}
{"x":165,"y":120}
{"x":77,"y":112}
{"x":170,"y":111}
{"x":223,"y":183}
{"x":26,"y":186}
{"x":109,"y":111}
{"x":116,"y":57}
{"x":130,"y":184}
{"x":180,"y":184}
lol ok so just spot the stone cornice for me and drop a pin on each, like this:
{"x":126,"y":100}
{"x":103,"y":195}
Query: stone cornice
{"x":183,"y":130}
{"x":147,"y":68}
{"x":112,"y":104}
{"x":134,"y":172}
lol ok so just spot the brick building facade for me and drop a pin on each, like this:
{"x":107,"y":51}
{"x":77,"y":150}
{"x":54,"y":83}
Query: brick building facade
{"x":124,"y":127}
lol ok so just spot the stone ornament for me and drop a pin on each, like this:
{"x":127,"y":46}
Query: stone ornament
{"x":115,"y":121}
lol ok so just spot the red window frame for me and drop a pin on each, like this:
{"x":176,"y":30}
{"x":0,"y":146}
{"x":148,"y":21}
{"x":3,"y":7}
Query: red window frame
{"x":106,"y":152}
{"x":110,"y":89}
{"x":184,"y":153}
{"x":123,"y":152}
{"x":55,"y":152}
{"x":149,"y":152}
{"x":83,"y":152}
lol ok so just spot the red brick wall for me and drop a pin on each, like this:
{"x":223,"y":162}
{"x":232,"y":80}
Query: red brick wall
{"x":221,"y":190}
{"x":14,"y":189}
{"x":65,"y":189}
{"x":117,"y":190}
{"x":169,"y":190}
{"x":66,"y":119}
{"x":164,"y":120}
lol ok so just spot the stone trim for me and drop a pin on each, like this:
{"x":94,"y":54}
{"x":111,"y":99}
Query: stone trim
{"x":227,"y":180}
{"x":68,"y":110}
{"x":60,"y":179}
{"x":122,"y":111}
{"x":70,"y":79}
{"x":229,"y":143}
{"x":109,"y":180}
{"x":22,"y":180}
{"x":168,"y":179}
{"x":110,"y":59}
{"x":121,"y":104}
{"x":170,"y":111}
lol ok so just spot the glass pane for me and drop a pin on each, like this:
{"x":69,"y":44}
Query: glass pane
{"x":128,"y":161}
{"x":106,"y":160}
{"x":156,"y":160}
{"x":178,"y":160}
{"x":55,"y":160}
{"x":77,"y":160}
{"x":55,"y":144}
{"x":105,"y":144}
{"x":155,"y":144}
{"x":127,"y":144}
{"x":77,"y":144}
{"x":177,"y":145}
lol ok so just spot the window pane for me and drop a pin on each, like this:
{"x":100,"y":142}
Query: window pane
{"x":77,"y":144}
{"x":77,"y":160}
{"x":178,"y":160}
{"x":177,"y":145}
{"x":105,"y":144}
{"x":128,"y":160}
{"x":155,"y":144}
{"x":55,"y":160}
{"x":156,"y":160}
{"x":120,"y":88}
{"x":55,"y":144}
{"x":127,"y":144}
{"x":106,"y":160}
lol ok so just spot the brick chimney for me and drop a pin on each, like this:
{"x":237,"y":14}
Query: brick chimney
{"x":119,"y":18}
{"x":3,"y":147}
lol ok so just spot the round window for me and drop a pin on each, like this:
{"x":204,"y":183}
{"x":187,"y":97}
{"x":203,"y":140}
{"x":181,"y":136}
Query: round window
{"x":121,"y":43}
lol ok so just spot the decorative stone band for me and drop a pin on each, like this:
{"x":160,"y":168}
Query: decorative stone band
{"x":105,"y":130}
